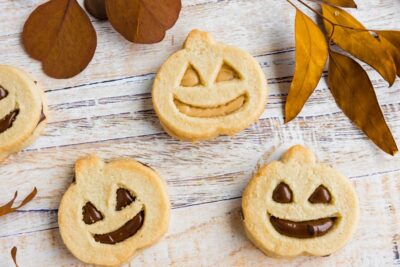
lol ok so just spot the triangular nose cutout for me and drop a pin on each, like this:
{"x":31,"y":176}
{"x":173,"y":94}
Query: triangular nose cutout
{"x":191,"y":77}
{"x":227,"y":73}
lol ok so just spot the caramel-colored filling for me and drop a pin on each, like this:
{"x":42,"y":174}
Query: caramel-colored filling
{"x":191,"y":77}
{"x":226,"y":74}
{"x":219,"y":111}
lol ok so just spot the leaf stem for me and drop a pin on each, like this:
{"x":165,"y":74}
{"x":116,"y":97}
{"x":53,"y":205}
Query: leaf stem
{"x":325,"y":18}
{"x":315,"y":11}
{"x":290,"y":2}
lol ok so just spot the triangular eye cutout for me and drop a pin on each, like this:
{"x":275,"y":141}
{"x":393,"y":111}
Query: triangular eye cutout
{"x":91,"y":214}
{"x":227,"y":73}
{"x":191,"y":77}
{"x":282,"y":194}
{"x":124,"y":199}
{"x":320,"y":195}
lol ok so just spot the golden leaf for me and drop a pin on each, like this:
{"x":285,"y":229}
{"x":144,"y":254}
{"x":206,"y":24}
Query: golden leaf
{"x":360,"y":44}
{"x":311,"y":56}
{"x":343,"y":3}
{"x":391,"y":41}
{"x":355,"y":95}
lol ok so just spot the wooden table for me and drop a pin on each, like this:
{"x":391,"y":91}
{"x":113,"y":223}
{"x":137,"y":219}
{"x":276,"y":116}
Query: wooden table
{"x":107,"y":110}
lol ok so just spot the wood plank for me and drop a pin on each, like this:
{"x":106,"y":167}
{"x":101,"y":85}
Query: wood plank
{"x":182,"y":164}
{"x":115,"y":105}
{"x":107,"y":110}
{"x":216,"y":236}
{"x":269,"y":29}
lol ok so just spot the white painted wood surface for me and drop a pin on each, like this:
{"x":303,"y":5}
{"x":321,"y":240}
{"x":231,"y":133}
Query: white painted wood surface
{"x":107,"y":110}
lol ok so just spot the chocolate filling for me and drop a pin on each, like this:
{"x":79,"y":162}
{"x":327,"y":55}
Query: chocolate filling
{"x":320,"y":195}
{"x":124,"y":198}
{"x":282,"y":194}
{"x":305,"y":229}
{"x":3,"y":92}
{"x":8,"y":120}
{"x":124,"y":232}
{"x":90,"y":214}
{"x":42,"y":116}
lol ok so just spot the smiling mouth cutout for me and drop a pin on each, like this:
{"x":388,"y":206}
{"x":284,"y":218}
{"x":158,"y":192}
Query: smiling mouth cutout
{"x":126,"y":231}
{"x":92,"y":215}
{"x":303,"y":229}
{"x":211,"y":112}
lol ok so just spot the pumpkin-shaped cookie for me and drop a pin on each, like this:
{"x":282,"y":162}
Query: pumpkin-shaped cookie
{"x":208,"y":89}
{"x":298,"y":206}
{"x":112,"y":210}
{"x":23,"y":110}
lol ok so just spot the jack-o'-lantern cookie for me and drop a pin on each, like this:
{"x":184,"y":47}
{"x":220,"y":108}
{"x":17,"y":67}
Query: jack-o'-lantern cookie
{"x":112,"y":210}
{"x":23,"y":110}
{"x":208,"y":89}
{"x":298,"y":206}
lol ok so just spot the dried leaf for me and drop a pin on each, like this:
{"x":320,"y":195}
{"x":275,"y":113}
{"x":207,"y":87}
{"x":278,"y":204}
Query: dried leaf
{"x":311,"y":56}
{"x":391,"y":41}
{"x":355,"y":95}
{"x":143,"y":21}
{"x":61,"y":36}
{"x":96,"y":8}
{"x":14,"y":255}
{"x":360,"y":44}
{"x":342,"y":3}
{"x":7,"y":208}
{"x":27,"y":199}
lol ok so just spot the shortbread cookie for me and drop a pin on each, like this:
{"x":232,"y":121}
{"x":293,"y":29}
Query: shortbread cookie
{"x":298,"y":206}
{"x":208,"y":89}
{"x":112,"y":210}
{"x":23,"y":110}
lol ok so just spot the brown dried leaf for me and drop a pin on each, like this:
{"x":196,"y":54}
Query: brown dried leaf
{"x":342,"y":3}
{"x":311,"y":56}
{"x":96,"y":8}
{"x":355,"y":95}
{"x":360,"y":44}
{"x":61,"y":36}
{"x":391,"y":41}
{"x":7,"y":208}
{"x":143,"y":21}
{"x":14,"y":255}
{"x":27,"y":199}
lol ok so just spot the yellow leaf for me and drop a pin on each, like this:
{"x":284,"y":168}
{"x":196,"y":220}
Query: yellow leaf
{"x":391,"y":41}
{"x":360,"y":44}
{"x":343,"y":3}
{"x":311,"y":56}
{"x":355,"y":95}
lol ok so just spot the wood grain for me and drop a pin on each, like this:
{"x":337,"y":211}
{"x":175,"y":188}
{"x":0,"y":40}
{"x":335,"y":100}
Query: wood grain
{"x":107,"y":110}
{"x":212,"y":235}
